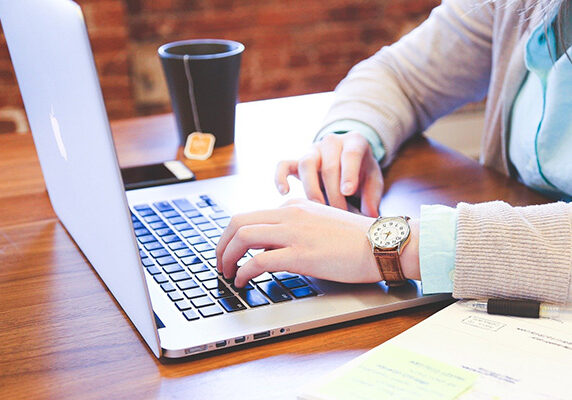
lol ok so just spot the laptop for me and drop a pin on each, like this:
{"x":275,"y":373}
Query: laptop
{"x":153,"y":248}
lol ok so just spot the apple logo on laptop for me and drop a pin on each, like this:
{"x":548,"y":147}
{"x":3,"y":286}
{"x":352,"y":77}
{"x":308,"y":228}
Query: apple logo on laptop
{"x":58,"y":134}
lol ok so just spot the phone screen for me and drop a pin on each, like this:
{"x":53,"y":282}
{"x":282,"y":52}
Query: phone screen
{"x":156,"y":174}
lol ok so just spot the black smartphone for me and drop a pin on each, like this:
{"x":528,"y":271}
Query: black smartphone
{"x":156,"y":174}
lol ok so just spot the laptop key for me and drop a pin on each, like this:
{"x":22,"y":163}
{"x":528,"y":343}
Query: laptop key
{"x":159,"y":253}
{"x":193,"y":213}
{"x":166,"y":260}
{"x":191,"y":260}
{"x":203,"y":247}
{"x":265,"y":276}
{"x":160,"y":278}
{"x":167,"y":287}
{"x":183,"y":304}
{"x":284,"y":275}
{"x":146,"y":239}
{"x":191,"y":315}
{"x":184,"y":226}
{"x":172,"y":268}
{"x":301,"y":292}
{"x":180,"y":276}
{"x":183,"y":204}
{"x":199,"y":267}
{"x":199,"y":220}
{"x":194,"y":292}
{"x":178,"y":245}
{"x":187,"y":284}
{"x":164,"y":232}
{"x":205,"y":226}
{"x":221,"y":292}
{"x":205,"y":276}
{"x":293,"y":283}
{"x":232,"y":304}
{"x":163,"y":206}
{"x":171,"y":239}
{"x":175,"y":296}
{"x":223,"y":222}
{"x":211,"y":284}
{"x":196,"y":240}
{"x":171,"y":214}
{"x":274,"y":291}
{"x":153,"y":270}
{"x":176,"y":220}
{"x":210,"y":311}
{"x":184,"y":253}
{"x":158,"y":225}
{"x":212,"y":233}
{"x":189,"y":233}
{"x":253,"y":298}
{"x":209,"y":254}
{"x":153,"y":246}
{"x":152,"y":218}
{"x":219,"y":215}
{"x":147,"y":262}
{"x":204,"y":301}
{"x":142,"y":232}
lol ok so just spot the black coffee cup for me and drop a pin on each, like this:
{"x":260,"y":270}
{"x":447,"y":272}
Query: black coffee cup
{"x":207,"y":69}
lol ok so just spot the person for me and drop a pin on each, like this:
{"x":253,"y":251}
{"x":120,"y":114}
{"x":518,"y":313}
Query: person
{"x":518,"y":55}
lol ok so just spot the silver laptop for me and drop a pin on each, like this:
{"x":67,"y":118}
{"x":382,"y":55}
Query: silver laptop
{"x":153,"y":247}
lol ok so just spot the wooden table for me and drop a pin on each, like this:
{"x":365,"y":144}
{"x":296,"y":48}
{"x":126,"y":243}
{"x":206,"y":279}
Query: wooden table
{"x":62,"y":335}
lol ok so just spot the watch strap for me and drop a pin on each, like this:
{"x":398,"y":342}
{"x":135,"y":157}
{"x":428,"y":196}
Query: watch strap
{"x":389,"y":267}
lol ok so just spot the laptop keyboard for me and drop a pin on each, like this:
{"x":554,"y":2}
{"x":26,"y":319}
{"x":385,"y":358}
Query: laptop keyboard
{"x":177,"y":241}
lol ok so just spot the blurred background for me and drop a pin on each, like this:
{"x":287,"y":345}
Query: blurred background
{"x":292,"y":46}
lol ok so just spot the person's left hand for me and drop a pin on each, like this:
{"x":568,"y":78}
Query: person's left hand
{"x":302,"y":237}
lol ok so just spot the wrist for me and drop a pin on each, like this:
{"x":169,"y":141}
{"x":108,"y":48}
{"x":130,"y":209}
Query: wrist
{"x":409,"y":258}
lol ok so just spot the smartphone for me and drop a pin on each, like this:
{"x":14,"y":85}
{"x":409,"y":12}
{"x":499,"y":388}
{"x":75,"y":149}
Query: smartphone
{"x":156,"y":174}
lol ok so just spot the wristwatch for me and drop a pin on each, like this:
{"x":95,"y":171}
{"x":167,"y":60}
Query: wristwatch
{"x":388,"y":236}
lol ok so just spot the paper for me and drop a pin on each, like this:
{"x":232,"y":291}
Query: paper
{"x":393,"y":373}
{"x":512,"y":357}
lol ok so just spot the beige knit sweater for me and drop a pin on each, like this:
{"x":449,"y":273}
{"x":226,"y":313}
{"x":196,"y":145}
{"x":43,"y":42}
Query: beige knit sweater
{"x":465,"y":50}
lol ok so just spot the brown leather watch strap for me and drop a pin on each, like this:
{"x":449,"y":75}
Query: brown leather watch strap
{"x":389,"y":267}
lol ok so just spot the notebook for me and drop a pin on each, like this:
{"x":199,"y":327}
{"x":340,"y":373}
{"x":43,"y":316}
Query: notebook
{"x":153,"y":247}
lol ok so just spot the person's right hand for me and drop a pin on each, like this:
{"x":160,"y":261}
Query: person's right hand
{"x":337,"y":166}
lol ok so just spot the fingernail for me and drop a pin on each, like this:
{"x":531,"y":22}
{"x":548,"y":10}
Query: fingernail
{"x":282,"y":189}
{"x":346,"y":188}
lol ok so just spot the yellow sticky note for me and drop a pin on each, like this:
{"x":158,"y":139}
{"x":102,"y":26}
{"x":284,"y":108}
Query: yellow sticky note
{"x":393,"y":373}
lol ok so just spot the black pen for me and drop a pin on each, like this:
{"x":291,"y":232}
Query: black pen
{"x":517,"y":308}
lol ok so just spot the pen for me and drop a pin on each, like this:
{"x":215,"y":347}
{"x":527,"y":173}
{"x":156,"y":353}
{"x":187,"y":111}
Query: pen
{"x":517,"y":308}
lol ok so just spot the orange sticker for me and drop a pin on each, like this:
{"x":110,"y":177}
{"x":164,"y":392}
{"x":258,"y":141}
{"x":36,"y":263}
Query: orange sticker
{"x":199,"y":146}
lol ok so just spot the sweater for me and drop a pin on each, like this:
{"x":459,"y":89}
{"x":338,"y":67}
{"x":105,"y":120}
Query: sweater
{"x":457,"y":56}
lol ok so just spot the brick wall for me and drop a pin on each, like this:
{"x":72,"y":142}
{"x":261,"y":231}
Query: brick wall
{"x":292,"y":46}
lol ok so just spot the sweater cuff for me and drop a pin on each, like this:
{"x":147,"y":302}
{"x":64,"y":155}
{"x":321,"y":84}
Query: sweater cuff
{"x":346,"y":125}
{"x":437,"y":234}
{"x":513,"y":252}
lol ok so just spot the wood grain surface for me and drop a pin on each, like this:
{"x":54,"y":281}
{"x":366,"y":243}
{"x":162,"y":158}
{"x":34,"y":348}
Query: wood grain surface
{"x":62,"y":335}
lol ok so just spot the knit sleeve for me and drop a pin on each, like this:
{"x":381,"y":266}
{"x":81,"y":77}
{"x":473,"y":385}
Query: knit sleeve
{"x":439,"y":66}
{"x":513,"y":252}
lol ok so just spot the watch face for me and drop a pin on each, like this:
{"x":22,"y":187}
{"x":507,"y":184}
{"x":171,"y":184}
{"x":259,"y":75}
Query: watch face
{"x":389,"y":232}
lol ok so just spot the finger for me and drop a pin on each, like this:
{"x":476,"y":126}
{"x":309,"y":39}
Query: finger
{"x":237,"y":221}
{"x":352,"y":158}
{"x":308,"y":167}
{"x":269,"y":261}
{"x":283,"y":170}
{"x":372,"y":191}
{"x":250,"y":237}
{"x":330,"y":172}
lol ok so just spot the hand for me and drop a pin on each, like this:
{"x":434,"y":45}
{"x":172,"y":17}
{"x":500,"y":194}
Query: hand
{"x":343,"y":165}
{"x":306,"y":238}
